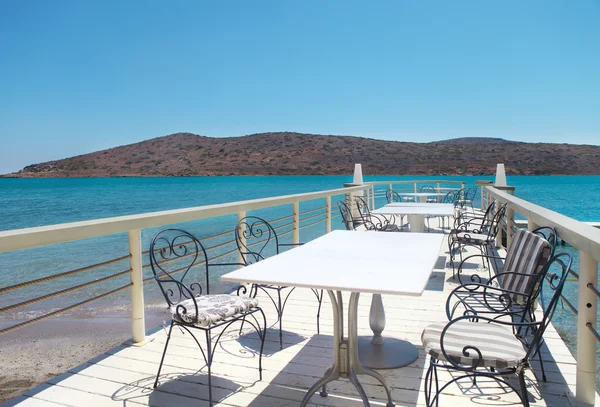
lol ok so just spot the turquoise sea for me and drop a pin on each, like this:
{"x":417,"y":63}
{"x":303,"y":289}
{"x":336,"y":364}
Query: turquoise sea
{"x":36,"y":202}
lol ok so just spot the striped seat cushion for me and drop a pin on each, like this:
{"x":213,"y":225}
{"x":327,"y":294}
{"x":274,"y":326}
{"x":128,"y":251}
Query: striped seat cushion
{"x":499,"y":348}
{"x":527,"y":254}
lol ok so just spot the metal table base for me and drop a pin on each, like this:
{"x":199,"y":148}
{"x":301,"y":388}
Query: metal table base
{"x":346,"y":363}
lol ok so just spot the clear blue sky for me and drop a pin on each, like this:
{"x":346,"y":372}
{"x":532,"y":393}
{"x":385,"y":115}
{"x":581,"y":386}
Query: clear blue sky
{"x":79,"y":76}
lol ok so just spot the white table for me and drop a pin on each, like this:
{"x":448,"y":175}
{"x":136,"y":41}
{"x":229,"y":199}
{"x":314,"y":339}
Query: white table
{"x":378,"y":263}
{"x":422,"y":195}
{"x":416,"y":214}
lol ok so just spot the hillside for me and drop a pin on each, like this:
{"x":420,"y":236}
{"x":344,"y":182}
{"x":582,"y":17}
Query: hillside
{"x":186,"y":154}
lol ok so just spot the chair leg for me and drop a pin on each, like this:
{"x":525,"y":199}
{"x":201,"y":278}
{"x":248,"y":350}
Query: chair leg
{"x":280,"y":311}
{"x":162,"y":359}
{"x":541,"y":364}
{"x":262,"y":344}
{"x":208,"y":365}
{"x":524,"y":396}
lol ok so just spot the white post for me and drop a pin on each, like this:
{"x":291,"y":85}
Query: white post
{"x":296,"y":233}
{"x":415,"y":187}
{"x":510,"y":224}
{"x":373,"y":196}
{"x":357,"y":180}
{"x":138,"y":324}
{"x":585,"y":391}
{"x":500,"y":176}
{"x":328,"y":214}
{"x":242,"y":238}
{"x":531,"y":225}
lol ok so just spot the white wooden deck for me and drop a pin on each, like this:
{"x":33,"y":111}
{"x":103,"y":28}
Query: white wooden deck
{"x":124,"y":375}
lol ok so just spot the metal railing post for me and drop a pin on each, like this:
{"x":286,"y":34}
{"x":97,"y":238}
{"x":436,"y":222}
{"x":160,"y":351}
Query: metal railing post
{"x":241,"y":215}
{"x":296,"y":234}
{"x":328,"y":214}
{"x":585,"y":390}
{"x":138,"y":323}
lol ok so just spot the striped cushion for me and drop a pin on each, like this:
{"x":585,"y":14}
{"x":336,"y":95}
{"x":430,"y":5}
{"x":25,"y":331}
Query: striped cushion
{"x":527,"y":254}
{"x":499,"y":348}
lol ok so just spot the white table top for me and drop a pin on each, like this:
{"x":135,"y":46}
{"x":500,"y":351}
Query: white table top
{"x":369,"y":262}
{"x":422,"y":194}
{"x":426,"y":209}
{"x":426,"y":204}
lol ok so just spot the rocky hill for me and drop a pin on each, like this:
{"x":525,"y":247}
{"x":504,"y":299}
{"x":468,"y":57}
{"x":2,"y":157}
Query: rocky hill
{"x":186,"y":154}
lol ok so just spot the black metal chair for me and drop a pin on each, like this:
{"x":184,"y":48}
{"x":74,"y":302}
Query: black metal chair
{"x":375,"y":222}
{"x":181,"y":269}
{"x":481,"y":239}
{"x":256,"y":240}
{"x":347,"y":218}
{"x":468,"y":198}
{"x":429,"y":189}
{"x":393,"y":196}
{"x":509,"y":291}
{"x":478,"y":346}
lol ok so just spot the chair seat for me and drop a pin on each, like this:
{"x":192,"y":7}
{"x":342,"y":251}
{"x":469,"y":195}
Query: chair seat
{"x":499,"y":347}
{"x":211,"y":308}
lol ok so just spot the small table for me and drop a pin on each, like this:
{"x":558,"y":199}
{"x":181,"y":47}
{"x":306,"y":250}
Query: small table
{"x":422,"y":195}
{"x":416,"y":214}
{"x":377,"y":263}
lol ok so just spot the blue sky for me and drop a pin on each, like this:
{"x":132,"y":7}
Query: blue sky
{"x":79,"y":76}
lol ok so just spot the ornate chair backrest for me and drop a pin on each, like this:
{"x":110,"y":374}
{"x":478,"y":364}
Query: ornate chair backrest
{"x":496,"y":221}
{"x":450,"y":197}
{"x":346,"y":215}
{"x":392,"y":196}
{"x":179,"y":263}
{"x":527,"y":255}
{"x":470,"y":194}
{"x":427,"y":189}
{"x":552,"y":282}
{"x":256,"y":239}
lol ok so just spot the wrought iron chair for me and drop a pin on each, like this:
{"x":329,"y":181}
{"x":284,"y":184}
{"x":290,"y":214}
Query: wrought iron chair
{"x":510,"y":291}
{"x":375,"y":222}
{"x":468,"y":198}
{"x":481,"y":239}
{"x":429,"y":189}
{"x":393,"y":196}
{"x":347,"y":218}
{"x":256,"y":240}
{"x":181,"y":269}
{"x":481,"y":346}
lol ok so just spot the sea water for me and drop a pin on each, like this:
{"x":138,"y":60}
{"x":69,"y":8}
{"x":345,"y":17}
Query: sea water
{"x":38,"y":202}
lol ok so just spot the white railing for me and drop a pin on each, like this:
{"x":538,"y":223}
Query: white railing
{"x":586,"y":239}
{"x":45,"y":235}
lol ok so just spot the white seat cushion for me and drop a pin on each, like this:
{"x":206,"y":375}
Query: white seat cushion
{"x":211,"y":308}
{"x":499,"y":347}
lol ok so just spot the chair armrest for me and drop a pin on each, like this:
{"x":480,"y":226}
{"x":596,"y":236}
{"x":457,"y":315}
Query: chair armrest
{"x":474,"y":277}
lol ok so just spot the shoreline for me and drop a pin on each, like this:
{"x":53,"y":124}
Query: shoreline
{"x":32,"y":355}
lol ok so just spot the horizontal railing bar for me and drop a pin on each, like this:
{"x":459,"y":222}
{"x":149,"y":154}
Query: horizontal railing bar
{"x":66,"y":290}
{"x":594,"y":331}
{"x":573,"y":309}
{"x":427,"y":181}
{"x":314,"y":223}
{"x":282,"y":218}
{"x":574,"y":273}
{"x":314,"y":210}
{"x":594,"y":289}
{"x":44,"y":235}
{"x":65,"y":274}
{"x":220,"y":245}
{"x":580,"y":235}
{"x":312,"y":217}
{"x":60,"y":311}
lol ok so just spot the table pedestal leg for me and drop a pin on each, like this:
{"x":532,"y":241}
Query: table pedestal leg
{"x":378,"y":352}
{"x":346,"y":362}
{"x":417,"y":223}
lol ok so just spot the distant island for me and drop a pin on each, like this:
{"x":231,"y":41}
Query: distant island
{"x":286,"y":153}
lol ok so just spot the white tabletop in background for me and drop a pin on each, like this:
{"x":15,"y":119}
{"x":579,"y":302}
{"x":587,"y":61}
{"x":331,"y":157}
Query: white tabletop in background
{"x":369,"y":262}
{"x":422,"y":194}
{"x":425,"y":209}
{"x":426,"y":204}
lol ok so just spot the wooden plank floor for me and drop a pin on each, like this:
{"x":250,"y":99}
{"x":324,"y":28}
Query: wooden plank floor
{"x":124,"y":376}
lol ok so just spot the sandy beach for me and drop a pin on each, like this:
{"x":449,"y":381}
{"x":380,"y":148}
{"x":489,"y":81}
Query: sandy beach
{"x":30,"y":356}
